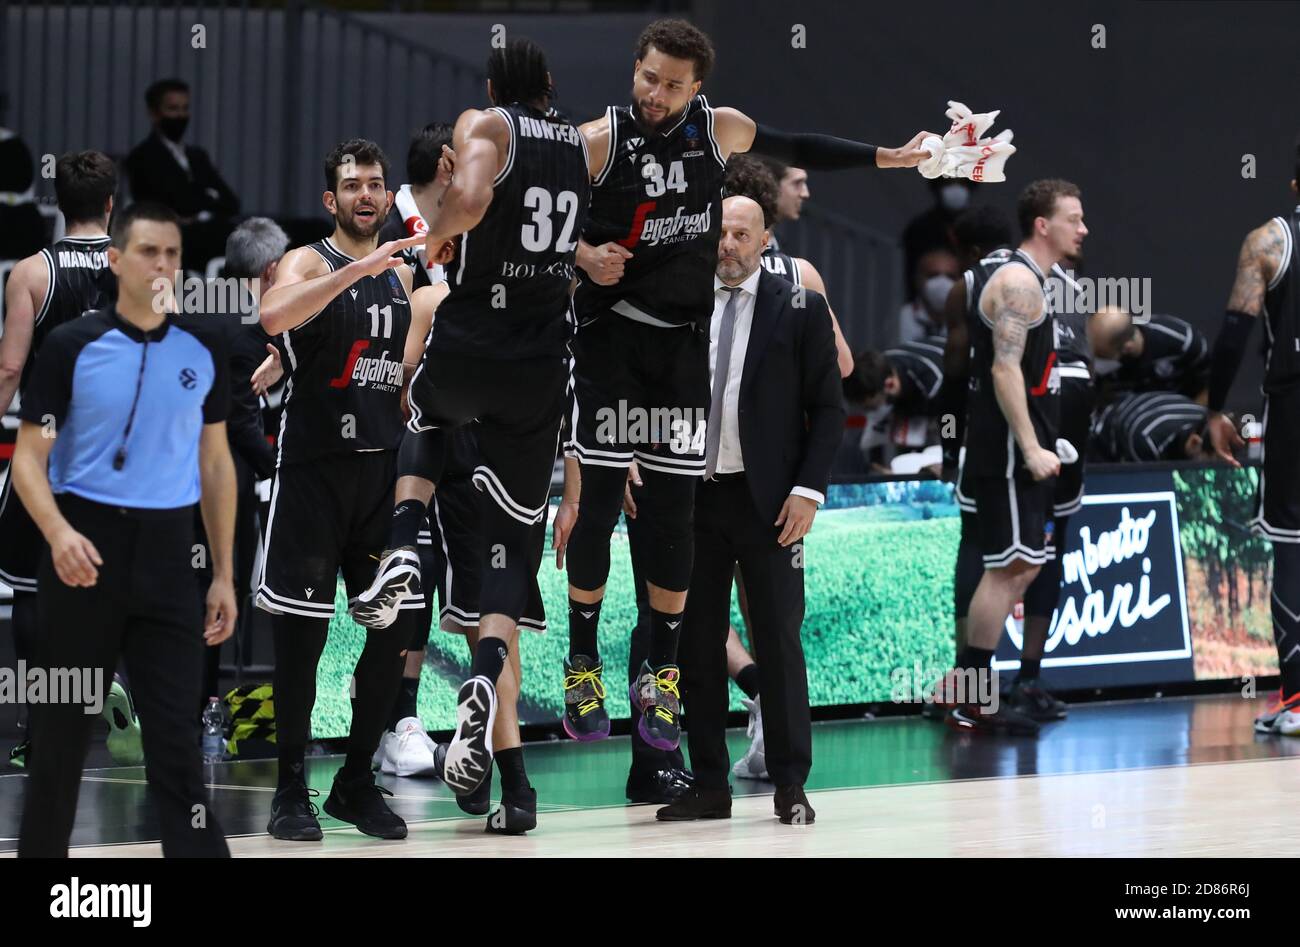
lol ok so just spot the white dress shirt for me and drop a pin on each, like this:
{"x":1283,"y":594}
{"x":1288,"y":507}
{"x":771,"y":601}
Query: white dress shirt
{"x":730,"y":458}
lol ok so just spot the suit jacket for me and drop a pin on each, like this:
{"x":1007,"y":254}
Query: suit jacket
{"x":156,"y":176}
{"x":790,"y":410}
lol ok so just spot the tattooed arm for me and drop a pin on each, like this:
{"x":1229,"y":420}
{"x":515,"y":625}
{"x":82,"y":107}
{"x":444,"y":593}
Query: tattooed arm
{"x":1017,"y":303}
{"x":1257,"y":265}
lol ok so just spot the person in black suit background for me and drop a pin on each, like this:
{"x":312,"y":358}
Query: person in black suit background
{"x":775,"y":421}
{"x":181,"y":177}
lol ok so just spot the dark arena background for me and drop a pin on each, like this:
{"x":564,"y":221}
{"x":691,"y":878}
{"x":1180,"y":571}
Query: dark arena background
{"x":1167,"y":747}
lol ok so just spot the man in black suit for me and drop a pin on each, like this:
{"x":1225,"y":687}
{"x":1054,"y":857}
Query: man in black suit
{"x":181,"y":177}
{"x":775,"y":421}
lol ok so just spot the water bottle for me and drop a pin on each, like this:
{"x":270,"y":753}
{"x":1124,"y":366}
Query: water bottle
{"x":214,"y":742}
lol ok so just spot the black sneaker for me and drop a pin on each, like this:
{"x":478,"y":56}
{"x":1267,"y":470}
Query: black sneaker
{"x":516,"y":815}
{"x":20,"y":755}
{"x":1004,"y":721}
{"x":1032,"y":699}
{"x":661,"y":785}
{"x":468,"y":759}
{"x":396,"y":580}
{"x":480,"y":800}
{"x":293,"y":814}
{"x":585,"y":718}
{"x":698,"y":804}
{"x":359,"y":801}
{"x":656,"y":695}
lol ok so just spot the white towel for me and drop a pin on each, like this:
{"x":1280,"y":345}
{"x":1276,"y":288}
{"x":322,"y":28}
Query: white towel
{"x":962,"y":153}
{"x":413,"y":220}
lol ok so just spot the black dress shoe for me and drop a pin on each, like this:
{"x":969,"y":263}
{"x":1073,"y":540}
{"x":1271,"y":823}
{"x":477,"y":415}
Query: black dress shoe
{"x":792,"y":806}
{"x":698,"y":804}
{"x":658,"y":785}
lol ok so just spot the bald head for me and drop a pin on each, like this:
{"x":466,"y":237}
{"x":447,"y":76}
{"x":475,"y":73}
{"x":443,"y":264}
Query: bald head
{"x":743,"y":240}
{"x":1110,"y":333}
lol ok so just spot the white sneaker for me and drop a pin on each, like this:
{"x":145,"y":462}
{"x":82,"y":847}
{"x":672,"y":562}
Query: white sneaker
{"x":408,"y":751}
{"x":396,"y":580}
{"x":1281,"y":718}
{"x":754,"y":763}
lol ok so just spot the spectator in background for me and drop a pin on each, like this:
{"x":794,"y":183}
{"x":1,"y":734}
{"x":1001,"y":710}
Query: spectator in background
{"x":898,"y":392}
{"x":933,"y":228}
{"x":1150,"y":426}
{"x":252,"y":253}
{"x":791,"y":192}
{"x":181,"y":177}
{"x":937,"y":269}
{"x":22,"y":232}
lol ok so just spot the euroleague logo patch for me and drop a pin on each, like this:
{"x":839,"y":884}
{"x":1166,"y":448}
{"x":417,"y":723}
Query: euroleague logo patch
{"x":188,"y":378}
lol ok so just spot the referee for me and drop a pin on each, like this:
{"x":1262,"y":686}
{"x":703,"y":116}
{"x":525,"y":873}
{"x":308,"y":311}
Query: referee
{"x":127,"y":412}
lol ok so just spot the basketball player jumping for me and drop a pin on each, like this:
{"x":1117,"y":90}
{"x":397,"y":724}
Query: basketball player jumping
{"x":648,"y":254}
{"x":1268,"y":285}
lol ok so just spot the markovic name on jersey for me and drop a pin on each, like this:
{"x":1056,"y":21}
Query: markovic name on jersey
{"x":92,"y":260}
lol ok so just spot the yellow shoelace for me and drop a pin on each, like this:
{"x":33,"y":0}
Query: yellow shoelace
{"x":666,"y":681}
{"x":576,"y":679}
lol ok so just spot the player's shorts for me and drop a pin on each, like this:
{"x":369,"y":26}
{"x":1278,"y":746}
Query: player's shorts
{"x":639,"y":392}
{"x":21,"y":543}
{"x":1277,"y":514}
{"x":458,"y":555}
{"x":1077,"y":400}
{"x":1015,"y":519}
{"x":327,"y":514}
{"x":519,"y":407}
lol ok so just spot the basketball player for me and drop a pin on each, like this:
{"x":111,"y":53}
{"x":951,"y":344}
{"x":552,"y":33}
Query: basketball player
{"x":1148,"y":426}
{"x":341,"y":307}
{"x":516,"y":192}
{"x":405,"y":219}
{"x":1267,"y":285}
{"x":1013,"y":420}
{"x":643,"y":306}
{"x":44,"y":291}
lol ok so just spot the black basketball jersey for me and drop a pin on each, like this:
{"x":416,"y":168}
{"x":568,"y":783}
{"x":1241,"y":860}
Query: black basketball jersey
{"x":1175,"y":357}
{"x":991,"y":448}
{"x":344,"y":368}
{"x":1073,"y":356}
{"x":79,"y":280}
{"x":1282,"y":313}
{"x":510,"y":281}
{"x":782,"y":265}
{"x":920,"y":375}
{"x":1147,"y":426}
{"x":661,"y":198}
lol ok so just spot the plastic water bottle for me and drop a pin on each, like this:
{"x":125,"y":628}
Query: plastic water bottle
{"x":214,"y":742}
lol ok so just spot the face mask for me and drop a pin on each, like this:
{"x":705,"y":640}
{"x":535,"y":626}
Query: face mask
{"x":935,"y":291}
{"x":954,"y":197}
{"x":173,"y":128}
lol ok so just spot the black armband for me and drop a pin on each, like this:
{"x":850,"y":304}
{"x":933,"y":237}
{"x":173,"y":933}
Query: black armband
{"x":1229,"y":347}
{"x":813,"y":152}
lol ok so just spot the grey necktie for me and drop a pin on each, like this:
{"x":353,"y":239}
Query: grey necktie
{"x":726,"y":332}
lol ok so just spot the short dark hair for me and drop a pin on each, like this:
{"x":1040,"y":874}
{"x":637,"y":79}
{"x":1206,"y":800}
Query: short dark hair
{"x":153,"y":95}
{"x":748,"y":177}
{"x":518,"y":73}
{"x":870,"y":370}
{"x":1039,"y":198}
{"x":983,"y":228}
{"x":141,"y":210}
{"x":776,"y":166}
{"x":83,"y":183}
{"x":681,"y":40}
{"x":361,"y":151}
{"x":426,"y":148}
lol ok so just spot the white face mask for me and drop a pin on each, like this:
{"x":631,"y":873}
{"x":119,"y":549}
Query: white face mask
{"x":935,"y":291}
{"x":954,"y":197}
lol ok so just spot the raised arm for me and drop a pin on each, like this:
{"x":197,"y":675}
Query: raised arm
{"x":457,"y":201}
{"x":736,"y":133}
{"x":1257,"y":264}
{"x":1017,"y":303}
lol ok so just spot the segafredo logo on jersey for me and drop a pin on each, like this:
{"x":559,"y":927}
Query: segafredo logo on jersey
{"x":381,"y":372}
{"x":1122,"y":592}
{"x":679,"y":227}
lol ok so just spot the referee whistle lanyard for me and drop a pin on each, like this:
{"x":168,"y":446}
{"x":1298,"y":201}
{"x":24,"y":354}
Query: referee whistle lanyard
{"x":119,"y":459}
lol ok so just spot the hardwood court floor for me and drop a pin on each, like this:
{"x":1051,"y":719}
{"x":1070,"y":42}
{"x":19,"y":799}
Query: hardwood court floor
{"x":1182,"y":776}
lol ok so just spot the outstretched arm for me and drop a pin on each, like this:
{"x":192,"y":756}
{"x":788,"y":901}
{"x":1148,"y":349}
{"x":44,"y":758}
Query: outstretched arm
{"x":736,"y":133}
{"x":1017,"y":303}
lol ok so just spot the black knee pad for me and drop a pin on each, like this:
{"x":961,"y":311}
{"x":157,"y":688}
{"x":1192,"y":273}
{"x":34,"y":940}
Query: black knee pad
{"x":423,"y":454}
{"x":970,"y":566}
{"x":668,"y":509}
{"x":588,"y":553}
{"x":1045,"y":591}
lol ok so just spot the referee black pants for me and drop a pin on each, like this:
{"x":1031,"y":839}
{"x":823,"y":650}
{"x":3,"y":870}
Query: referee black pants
{"x":142,"y":609}
{"x":728,"y":531}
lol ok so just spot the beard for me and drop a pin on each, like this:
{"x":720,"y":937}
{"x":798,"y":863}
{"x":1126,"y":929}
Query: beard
{"x":645,"y":126}
{"x":732,"y":268}
{"x":360,"y":229}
